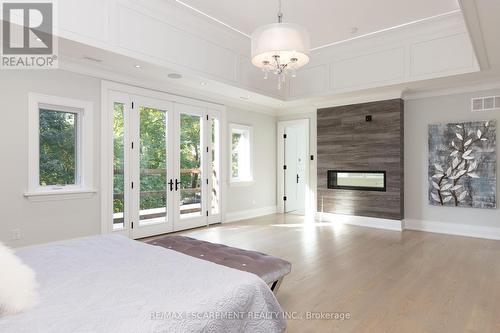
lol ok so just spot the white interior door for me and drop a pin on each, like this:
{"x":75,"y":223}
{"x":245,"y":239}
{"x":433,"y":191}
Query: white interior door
{"x":292,"y":171}
{"x":166,"y":166}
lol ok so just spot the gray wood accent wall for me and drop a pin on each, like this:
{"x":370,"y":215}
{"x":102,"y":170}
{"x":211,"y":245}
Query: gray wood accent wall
{"x":346,"y":141}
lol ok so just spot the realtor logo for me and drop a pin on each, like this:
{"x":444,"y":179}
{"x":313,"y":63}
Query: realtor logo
{"x":28,"y":40}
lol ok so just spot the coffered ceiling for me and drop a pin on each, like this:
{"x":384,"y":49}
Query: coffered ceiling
{"x":328,"y":21}
{"x":432,"y":44}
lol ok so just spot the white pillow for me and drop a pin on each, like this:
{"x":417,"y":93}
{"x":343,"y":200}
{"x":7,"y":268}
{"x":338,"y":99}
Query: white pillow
{"x":18,"y":286}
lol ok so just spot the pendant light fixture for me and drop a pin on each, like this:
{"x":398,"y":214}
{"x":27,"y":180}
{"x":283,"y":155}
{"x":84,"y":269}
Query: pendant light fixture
{"x":280,"y":48}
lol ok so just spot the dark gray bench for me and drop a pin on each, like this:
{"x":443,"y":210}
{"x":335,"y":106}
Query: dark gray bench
{"x":270,"y":269}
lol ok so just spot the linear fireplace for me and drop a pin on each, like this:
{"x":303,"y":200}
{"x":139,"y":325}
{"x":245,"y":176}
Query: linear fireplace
{"x":357,"y":180}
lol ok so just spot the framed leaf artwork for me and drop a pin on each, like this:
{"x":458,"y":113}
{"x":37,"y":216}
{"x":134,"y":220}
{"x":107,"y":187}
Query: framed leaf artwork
{"x":462,"y":164}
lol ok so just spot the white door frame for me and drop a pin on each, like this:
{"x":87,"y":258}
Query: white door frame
{"x":163,"y":105}
{"x":304,"y":124}
{"x":112,"y":90}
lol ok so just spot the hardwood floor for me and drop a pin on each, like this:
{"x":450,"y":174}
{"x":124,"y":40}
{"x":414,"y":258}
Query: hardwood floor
{"x":386,"y":280}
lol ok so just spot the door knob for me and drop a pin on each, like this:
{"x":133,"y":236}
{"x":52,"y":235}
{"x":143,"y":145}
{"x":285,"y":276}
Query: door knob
{"x":177,"y":183}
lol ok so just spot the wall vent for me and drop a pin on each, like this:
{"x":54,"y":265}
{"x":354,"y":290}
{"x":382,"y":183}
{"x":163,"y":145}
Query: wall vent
{"x":489,"y":103}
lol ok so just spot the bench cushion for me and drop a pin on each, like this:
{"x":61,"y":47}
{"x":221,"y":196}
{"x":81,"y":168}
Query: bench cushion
{"x":268,"y":268}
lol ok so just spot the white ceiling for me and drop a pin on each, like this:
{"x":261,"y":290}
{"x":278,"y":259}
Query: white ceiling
{"x":481,"y":17}
{"x":327,"y":21}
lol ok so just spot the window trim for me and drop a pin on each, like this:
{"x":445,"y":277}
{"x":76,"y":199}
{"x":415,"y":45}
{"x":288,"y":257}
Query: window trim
{"x":237,"y":181}
{"x":84,"y":139}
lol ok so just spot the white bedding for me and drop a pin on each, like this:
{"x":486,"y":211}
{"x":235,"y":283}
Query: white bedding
{"x":113,"y":284}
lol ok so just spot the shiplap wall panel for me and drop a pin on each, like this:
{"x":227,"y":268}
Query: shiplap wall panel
{"x":346,"y":141}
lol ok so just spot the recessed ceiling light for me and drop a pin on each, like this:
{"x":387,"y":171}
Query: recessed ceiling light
{"x":92,"y":59}
{"x":137,"y":66}
{"x":203,"y":83}
{"x":174,"y":76}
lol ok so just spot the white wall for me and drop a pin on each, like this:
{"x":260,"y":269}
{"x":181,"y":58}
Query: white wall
{"x":418,"y":114}
{"x":51,"y":220}
{"x":47,"y":221}
{"x":260,"y":194}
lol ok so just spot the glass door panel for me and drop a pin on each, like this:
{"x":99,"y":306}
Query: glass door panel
{"x":119,"y":196}
{"x":153,"y":166}
{"x":166,"y":166}
{"x":191,"y":175}
{"x":214,"y":167}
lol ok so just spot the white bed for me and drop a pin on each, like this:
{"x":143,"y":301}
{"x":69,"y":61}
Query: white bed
{"x":113,"y":284}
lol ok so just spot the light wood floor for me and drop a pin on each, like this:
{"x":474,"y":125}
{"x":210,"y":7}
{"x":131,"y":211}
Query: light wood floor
{"x":388,"y":281}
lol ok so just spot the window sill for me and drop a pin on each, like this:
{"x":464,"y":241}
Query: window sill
{"x":60,"y":195}
{"x":241,"y":183}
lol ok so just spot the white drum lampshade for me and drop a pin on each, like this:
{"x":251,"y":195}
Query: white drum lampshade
{"x":290,"y":42}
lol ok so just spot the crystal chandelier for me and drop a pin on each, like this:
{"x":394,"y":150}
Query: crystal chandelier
{"x":280,"y":48}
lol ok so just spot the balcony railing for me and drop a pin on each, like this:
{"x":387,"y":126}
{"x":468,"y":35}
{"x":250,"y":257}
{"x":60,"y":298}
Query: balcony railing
{"x":188,"y":207}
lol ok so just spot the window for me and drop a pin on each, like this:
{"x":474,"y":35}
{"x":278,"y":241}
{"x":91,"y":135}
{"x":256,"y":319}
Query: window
{"x":241,"y":167}
{"x":58,"y":148}
{"x":60,"y":143}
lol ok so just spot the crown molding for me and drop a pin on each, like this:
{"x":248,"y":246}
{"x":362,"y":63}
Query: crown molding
{"x":471,"y":18}
{"x":311,"y":105}
{"x":467,"y":88}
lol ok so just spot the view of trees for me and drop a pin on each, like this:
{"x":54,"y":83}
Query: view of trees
{"x":190,"y":159}
{"x":153,"y":158}
{"x":57,"y":147}
{"x":234,"y":152}
{"x":58,"y":134}
{"x":119,"y":158}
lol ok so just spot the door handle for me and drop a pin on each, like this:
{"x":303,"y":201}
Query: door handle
{"x":177,"y":183}
{"x":171,"y":183}
{"x":297,"y":178}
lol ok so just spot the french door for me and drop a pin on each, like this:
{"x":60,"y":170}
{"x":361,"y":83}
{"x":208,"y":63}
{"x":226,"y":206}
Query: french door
{"x":166,"y":165}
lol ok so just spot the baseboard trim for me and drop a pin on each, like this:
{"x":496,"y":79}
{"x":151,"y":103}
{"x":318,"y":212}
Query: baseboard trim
{"x":453,"y":229}
{"x":371,"y":222}
{"x":249,"y":214}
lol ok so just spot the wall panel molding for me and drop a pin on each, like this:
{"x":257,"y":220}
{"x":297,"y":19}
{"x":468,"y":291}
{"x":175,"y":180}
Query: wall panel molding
{"x":163,"y":34}
{"x":368,"y":69}
{"x":394,"y":57}
{"x":441,"y":55}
